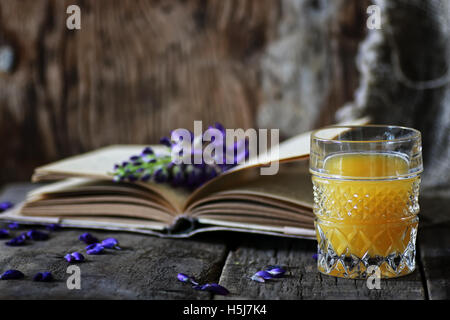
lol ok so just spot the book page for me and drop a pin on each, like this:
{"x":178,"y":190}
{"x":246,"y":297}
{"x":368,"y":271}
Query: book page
{"x":308,"y":233}
{"x":97,"y":222}
{"x":97,"y":164}
{"x":70,"y":187}
{"x":295,"y":148}
{"x":285,"y":199}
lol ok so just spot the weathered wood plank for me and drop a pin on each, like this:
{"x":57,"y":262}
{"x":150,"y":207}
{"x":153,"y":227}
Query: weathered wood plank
{"x":146,"y":268}
{"x":303,"y":280}
{"x":434,"y":244}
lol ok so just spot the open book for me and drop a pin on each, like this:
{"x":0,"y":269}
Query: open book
{"x":241,"y":199}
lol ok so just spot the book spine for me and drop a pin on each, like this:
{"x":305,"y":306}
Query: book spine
{"x":182,"y":224}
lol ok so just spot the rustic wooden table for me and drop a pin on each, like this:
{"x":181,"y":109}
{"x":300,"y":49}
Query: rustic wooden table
{"x":146,"y":268}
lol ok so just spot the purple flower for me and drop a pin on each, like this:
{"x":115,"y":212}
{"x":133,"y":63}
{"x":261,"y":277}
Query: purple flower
{"x":213,"y":287}
{"x":12,"y":275}
{"x":160,"y":168}
{"x":13,"y":225}
{"x":43,"y":277}
{"x":37,"y":235}
{"x":132,"y":178}
{"x":150,"y":160}
{"x":5,"y":206}
{"x":88,"y":238}
{"x":94,"y":249}
{"x":4,"y":233}
{"x":315,"y":256}
{"x":147,"y":150}
{"x":160,"y":175}
{"x":110,"y":243}
{"x":75,"y":256}
{"x":53,"y":227}
{"x":165,"y":141}
{"x":17,"y":241}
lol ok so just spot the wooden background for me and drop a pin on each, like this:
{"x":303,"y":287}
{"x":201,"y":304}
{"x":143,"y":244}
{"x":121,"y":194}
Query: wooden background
{"x":140,"y":68}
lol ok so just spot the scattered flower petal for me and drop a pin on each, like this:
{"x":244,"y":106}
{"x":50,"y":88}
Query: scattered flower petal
{"x":38,"y":276}
{"x":17,"y":241}
{"x":53,"y":227}
{"x":23,"y":236}
{"x":74,"y":256}
{"x":37,"y":235}
{"x":111,"y":243}
{"x":276,"y":271}
{"x":47,"y":276}
{"x":270,"y":272}
{"x":257,"y":278}
{"x":69,"y":257}
{"x":12,"y":275}
{"x":214,"y":288}
{"x":43,"y":277}
{"x":183,"y":278}
{"x":5,"y":206}
{"x":88,"y":238}
{"x":78,"y":256}
{"x":4,"y":233}
{"x":13,"y":225}
{"x":264,"y":274}
{"x":94,"y":249}
{"x":92,"y":246}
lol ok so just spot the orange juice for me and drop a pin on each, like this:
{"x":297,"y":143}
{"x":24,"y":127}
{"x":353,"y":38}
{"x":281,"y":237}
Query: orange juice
{"x":367,"y":217}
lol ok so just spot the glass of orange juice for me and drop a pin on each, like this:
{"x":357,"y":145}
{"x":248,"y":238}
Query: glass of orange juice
{"x":366,"y":187}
